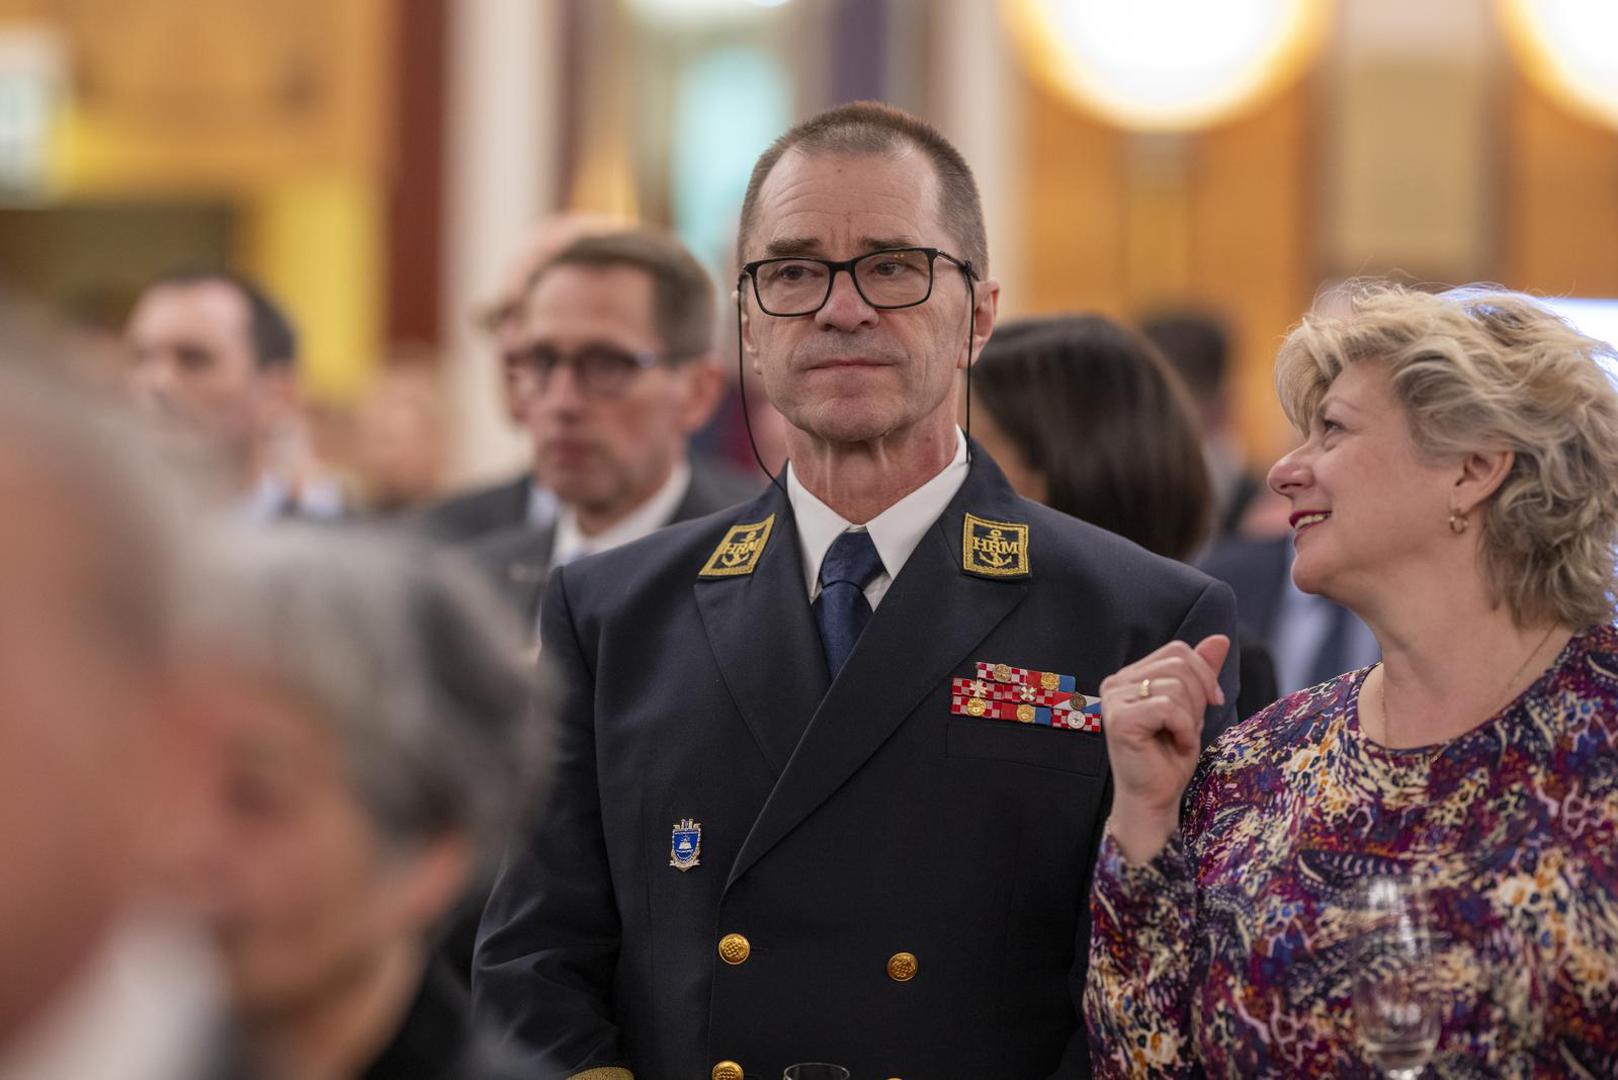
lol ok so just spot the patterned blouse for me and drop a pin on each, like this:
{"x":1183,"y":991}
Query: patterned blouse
{"x":1233,"y":949}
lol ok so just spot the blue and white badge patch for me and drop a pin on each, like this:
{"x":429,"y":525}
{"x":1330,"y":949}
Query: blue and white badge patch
{"x":686,"y":847}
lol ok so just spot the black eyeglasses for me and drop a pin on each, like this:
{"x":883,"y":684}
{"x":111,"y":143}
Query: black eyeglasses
{"x":602,"y":370}
{"x":894,"y":278}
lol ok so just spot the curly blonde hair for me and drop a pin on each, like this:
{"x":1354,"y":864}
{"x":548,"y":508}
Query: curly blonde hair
{"x":1482,"y":368}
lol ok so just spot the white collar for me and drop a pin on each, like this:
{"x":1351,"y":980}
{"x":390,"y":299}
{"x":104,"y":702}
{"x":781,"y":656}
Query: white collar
{"x":319,"y":498}
{"x":146,"y":1007}
{"x":645,"y":519}
{"x":895,"y":531}
{"x":542,"y":507}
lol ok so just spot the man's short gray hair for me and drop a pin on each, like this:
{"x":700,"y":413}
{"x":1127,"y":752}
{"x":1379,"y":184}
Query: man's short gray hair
{"x":419,"y":669}
{"x":872,"y":127}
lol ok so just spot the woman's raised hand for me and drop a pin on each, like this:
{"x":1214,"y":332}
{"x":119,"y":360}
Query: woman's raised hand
{"x":1152,"y":713}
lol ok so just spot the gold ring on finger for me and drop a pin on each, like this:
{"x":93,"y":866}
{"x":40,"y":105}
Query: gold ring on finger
{"x":1145,"y":689}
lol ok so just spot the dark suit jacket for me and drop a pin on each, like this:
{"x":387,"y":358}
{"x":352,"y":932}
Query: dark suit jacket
{"x":437,"y":1040}
{"x":518,"y":562}
{"x":518,"y":559}
{"x":1259,"y":572}
{"x":1256,"y":571}
{"x":466,"y":517}
{"x":841,"y":824}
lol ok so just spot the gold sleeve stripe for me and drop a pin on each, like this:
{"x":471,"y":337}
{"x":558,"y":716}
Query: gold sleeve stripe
{"x":611,"y":1072}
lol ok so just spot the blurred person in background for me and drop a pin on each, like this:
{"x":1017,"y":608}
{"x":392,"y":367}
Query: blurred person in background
{"x":1455,"y":488}
{"x":105,"y":764}
{"x":1198,"y":347}
{"x":215,"y":360}
{"x":397,"y":441}
{"x":1309,"y":636}
{"x":377,"y":705}
{"x":617,"y":350}
{"x":523,"y":499}
{"x":1086,"y":417}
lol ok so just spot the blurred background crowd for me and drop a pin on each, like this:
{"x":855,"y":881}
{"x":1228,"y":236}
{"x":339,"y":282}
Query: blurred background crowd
{"x":325,"y":247}
{"x":379,"y":167}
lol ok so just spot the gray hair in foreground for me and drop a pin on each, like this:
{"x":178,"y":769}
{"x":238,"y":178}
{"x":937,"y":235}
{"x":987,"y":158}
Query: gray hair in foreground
{"x":419,"y":669}
{"x":126,"y":494}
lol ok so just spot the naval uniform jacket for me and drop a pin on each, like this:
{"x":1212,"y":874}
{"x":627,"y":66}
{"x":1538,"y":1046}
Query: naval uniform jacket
{"x":841,"y":824}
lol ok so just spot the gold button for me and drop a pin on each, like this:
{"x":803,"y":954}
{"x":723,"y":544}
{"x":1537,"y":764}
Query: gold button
{"x":734,"y":949}
{"x":902,"y":967}
{"x":727,"y":1070}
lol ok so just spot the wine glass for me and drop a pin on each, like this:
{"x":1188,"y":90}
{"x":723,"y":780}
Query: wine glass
{"x":1396,"y":1013}
{"x":815,"y":1070}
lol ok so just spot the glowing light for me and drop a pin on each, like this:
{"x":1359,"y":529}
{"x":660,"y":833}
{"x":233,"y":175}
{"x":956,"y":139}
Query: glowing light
{"x":700,"y":12}
{"x":1569,"y":48}
{"x":1167,"y":65}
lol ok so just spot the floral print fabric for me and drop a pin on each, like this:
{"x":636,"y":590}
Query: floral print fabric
{"x":1234,"y":947}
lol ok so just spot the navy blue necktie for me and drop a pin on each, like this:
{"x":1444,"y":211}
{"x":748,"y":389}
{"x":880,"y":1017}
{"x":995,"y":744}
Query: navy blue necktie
{"x":842,"y":610}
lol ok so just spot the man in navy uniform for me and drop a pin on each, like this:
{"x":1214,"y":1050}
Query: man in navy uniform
{"x":831,"y":778}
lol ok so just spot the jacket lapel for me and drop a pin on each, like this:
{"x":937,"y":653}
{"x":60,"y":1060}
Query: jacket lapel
{"x":764,"y":637}
{"x":528,"y":569}
{"x":932,"y":617}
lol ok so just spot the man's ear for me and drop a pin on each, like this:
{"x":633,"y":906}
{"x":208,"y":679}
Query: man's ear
{"x":987,"y":295}
{"x":1479,"y":476}
{"x":746,"y":317}
{"x":702,"y":387}
{"x":278,"y":393}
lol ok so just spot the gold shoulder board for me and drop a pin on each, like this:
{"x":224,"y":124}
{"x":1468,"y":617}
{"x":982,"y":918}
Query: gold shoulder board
{"x":996,"y":549}
{"x":738,"y":553}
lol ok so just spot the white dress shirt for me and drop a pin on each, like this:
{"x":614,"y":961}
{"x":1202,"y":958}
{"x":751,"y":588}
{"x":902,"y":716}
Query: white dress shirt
{"x":542,"y":507}
{"x":895,"y":531}
{"x":645,"y":519}
{"x":318,"y":499}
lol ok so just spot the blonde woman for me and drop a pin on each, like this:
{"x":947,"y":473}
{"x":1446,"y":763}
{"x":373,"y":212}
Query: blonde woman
{"x":1458,"y":490}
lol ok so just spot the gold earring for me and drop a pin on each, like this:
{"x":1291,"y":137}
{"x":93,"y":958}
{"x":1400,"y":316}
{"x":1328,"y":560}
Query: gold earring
{"x":1457,"y":523}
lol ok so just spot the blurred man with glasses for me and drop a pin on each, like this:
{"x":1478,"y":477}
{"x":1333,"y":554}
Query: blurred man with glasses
{"x":614,"y":360}
{"x":830,"y":780}
{"x":523,"y":499}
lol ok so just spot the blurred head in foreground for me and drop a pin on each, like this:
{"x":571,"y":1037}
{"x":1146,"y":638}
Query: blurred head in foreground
{"x":381,"y":741}
{"x":103,"y":772}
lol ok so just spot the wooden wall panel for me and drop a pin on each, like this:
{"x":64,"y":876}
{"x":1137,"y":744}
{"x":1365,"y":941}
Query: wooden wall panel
{"x":179,"y":97}
{"x":1220,"y":220}
{"x":416,"y":185}
{"x":1071,"y":211}
{"x":1561,"y":205}
{"x":1252,"y":248}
